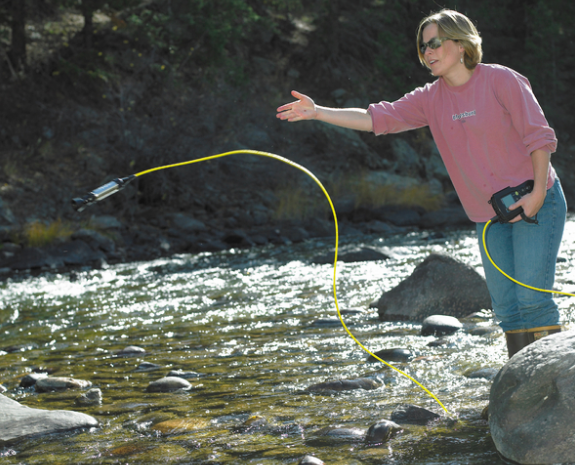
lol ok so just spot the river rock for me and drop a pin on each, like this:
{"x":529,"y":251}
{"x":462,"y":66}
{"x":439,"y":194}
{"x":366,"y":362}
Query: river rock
{"x":49,"y":384}
{"x":169,"y":384}
{"x":382,"y":431}
{"x":440,"y":285}
{"x":440,"y":325}
{"x":391,"y":355}
{"x":148,"y":366}
{"x":337,"y":435}
{"x":31,"y":378}
{"x":310,"y":460}
{"x":91,"y":397}
{"x":411,"y":414}
{"x":366,"y":384}
{"x":531,"y":408}
{"x":2,"y":388}
{"x":184,"y":374}
{"x":18,"y":421}
{"x":130,"y":351}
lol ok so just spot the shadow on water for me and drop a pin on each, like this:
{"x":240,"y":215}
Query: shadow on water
{"x":245,"y":322}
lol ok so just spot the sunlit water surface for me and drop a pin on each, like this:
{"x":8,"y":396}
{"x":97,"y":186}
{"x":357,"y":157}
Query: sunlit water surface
{"x":244,"y":320}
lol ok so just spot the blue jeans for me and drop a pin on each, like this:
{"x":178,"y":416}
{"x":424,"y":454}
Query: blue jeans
{"x":528,"y":253}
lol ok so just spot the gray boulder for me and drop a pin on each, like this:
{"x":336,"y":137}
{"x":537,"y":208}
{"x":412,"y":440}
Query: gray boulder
{"x":532,"y":403}
{"x":18,"y":421}
{"x":440,"y":285}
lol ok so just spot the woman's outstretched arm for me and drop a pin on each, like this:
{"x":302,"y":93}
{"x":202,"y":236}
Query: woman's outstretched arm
{"x":305,"y":109}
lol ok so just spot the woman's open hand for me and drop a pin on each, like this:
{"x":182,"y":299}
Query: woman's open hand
{"x":302,"y":109}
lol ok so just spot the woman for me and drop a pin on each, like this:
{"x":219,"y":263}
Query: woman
{"x":492,"y":134}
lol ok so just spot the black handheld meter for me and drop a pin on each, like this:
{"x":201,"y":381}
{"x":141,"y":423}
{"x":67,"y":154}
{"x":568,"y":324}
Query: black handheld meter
{"x":502,"y":200}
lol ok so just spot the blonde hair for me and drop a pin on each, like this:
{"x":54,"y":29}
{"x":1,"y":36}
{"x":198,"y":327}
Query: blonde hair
{"x":458,"y":27}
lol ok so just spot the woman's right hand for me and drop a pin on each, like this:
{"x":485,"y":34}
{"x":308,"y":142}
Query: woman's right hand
{"x":302,"y":109}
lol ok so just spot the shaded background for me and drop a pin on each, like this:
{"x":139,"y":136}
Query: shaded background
{"x":92,"y":90}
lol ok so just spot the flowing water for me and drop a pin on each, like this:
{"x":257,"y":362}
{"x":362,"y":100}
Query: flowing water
{"x":246,"y":322}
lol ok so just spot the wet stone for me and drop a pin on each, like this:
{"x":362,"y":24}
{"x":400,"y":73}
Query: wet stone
{"x":49,"y":384}
{"x":131,"y":350}
{"x":180,"y":425}
{"x":382,"y":431}
{"x":336,"y":435}
{"x":169,"y":384}
{"x":366,"y":384}
{"x":148,"y":366}
{"x":411,"y":414}
{"x":484,"y":373}
{"x":310,"y":460}
{"x":184,"y":374}
{"x":91,"y":397}
{"x":31,"y":379}
{"x":391,"y":355}
{"x":2,"y":388}
{"x":440,"y":325}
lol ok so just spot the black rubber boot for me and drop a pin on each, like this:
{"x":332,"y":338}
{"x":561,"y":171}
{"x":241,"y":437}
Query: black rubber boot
{"x":516,"y":340}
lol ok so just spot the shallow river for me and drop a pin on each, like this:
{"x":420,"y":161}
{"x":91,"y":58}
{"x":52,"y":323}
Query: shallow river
{"x":244,"y":320}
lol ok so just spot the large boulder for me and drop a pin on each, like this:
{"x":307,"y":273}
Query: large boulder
{"x":18,"y":421}
{"x":440,"y":285}
{"x":532,"y":403}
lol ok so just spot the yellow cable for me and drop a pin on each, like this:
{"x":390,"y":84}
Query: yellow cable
{"x":509,"y":277}
{"x":311,"y":175}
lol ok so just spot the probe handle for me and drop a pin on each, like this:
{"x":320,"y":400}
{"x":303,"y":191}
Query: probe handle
{"x":80,"y":203}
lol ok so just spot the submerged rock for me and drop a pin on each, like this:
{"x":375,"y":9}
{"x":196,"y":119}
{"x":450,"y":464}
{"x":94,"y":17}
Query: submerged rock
{"x":169,"y":384}
{"x":18,"y":421}
{"x":92,"y":397}
{"x":391,"y":355}
{"x":131,"y":350}
{"x":382,"y":431}
{"x":411,"y":414}
{"x":48,"y":384}
{"x":31,"y":378}
{"x":367,"y":384}
{"x":531,"y":408}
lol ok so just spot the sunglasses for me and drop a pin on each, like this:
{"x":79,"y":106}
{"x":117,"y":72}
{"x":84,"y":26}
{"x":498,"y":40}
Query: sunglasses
{"x":433,"y":44}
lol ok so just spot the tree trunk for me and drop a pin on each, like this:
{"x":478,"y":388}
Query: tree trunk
{"x":17,"y":53}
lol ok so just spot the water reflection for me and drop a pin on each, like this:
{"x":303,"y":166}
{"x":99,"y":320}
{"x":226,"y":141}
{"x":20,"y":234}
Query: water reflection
{"x":245,"y":322}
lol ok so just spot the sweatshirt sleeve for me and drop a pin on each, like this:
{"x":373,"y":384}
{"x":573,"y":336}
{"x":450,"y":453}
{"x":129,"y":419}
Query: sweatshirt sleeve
{"x":516,"y":96}
{"x":402,"y":115}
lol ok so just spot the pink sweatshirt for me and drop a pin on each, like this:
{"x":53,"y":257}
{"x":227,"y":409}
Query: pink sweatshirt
{"x":485,"y":131}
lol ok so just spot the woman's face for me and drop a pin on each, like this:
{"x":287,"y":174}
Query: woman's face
{"x":445,"y":60}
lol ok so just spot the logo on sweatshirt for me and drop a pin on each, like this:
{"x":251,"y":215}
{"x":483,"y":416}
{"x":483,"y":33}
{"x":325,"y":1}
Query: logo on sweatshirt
{"x":465,"y":114}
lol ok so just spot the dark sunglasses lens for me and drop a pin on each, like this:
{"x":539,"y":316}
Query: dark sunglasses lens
{"x":433,"y":44}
